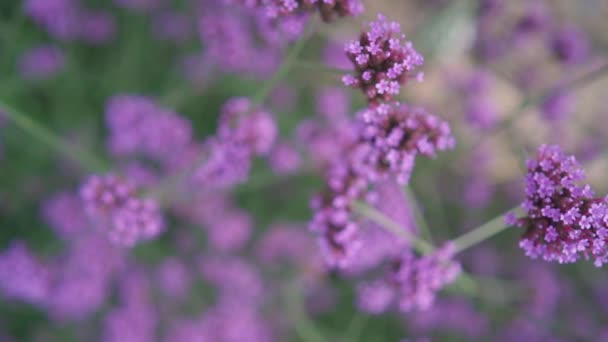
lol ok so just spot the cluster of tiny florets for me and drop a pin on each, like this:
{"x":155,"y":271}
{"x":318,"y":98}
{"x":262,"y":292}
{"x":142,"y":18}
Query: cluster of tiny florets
{"x":564,"y":220}
{"x":126,"y":218}
{"x":413,"y":283}
{"x":244,"y":132}
{"x":383,"y":60}
{"x":328,"y":9}
{"x":395,"y":134}
{"x":139,"y":126}
{"x":390,"y":137}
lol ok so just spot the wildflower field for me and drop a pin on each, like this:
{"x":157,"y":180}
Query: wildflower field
{"x":303,"y":170}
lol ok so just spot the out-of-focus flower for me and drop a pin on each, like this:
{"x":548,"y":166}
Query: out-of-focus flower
{"x":284,"y":159}
{"x":570,"y":45}
{"x":390,"y":138}
{"x":174,"y":279}
{"x":558,"y":105}
{"x":114,"y":207}
{"x":383,"y":60}
{"x":82,"y":278}
{"x":22,"y":276}
{"x":41,"y":62}
{"x":564,"y":221}
{"x":328,"y":9}
{"x":138,"y":126}
{"x":64,"y":212}
{"x":413,"y":283}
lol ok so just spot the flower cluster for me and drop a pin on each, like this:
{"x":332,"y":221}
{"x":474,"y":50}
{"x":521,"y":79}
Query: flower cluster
{"x":41,"y":62}
{"x":390,"y":138}
{"x":115,"y":207}
{"x":564,"y":221}
{"x":383,"y":60}
{"x":244,"y":131}
{"x":69,"y":20}
{"x":413,"y":282}
{"x":328,"y":9}
{"x":138,"y":126}
{"x":395,"y":134}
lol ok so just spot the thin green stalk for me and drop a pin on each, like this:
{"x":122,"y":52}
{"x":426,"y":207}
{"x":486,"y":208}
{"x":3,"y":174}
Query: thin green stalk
{"x":288,"y":62}
{"x":481,"y":233}
{"x":38,"y":131}
{"x":386,"y":222}
{"x":315,"y":66}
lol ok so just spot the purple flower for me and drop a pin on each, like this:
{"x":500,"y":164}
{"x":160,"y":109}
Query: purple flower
{"x":412,"y":283}
{"x":114,"y":207}
{"x":139,"y":126}
{"x":65,"y":214}
{"x":570,"y":45}
{"x":173,"y":278}
{"x":244,"y":124}
{"x":558,"y":105}
{"x":284,"y":159}
{"x":395,"y":134}
{"x":375,"y":297}
{"x":328,"y":9}
{"x":83,"y":277}
{"x":42,"y":62}
{"x":419,"y":279}
{"x":22,"y":276}
{"x":563,"y":221}
{"x":383,"y":61}
{"x":390,"y":138}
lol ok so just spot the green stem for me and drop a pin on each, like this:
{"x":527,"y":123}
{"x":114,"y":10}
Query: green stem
{"x":392,"y":226}
{"x":288,"y":62}
{"x":47,"y":137}
{"x":481,"y":233}
{"x":318,"y":67}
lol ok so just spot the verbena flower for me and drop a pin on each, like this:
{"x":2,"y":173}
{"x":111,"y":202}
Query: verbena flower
{"x":389,"y":139}
{"x":114,"y":206}
{"x":383,"y":61}
{"x":413,"y":282}
{"x":564,"y":221}
{"x":139,"y":126}
{"x":41,"y":62}
{"x":328,"y":9}
{"x":23,"y":276}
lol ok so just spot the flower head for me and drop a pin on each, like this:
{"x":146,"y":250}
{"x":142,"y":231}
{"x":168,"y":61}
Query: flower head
{"x":564,"y":221}
{"x":114,"y":205}
{"x":383,"y":60}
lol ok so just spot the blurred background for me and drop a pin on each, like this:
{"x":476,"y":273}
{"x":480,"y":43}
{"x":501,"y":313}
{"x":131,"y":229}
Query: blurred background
{"x":507,"y":75}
